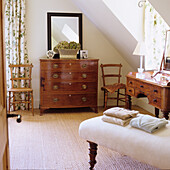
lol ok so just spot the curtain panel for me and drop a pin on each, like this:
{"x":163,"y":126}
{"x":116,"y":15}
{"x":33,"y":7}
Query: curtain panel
{"x":15,"y":40}
{"x":154,"y":30}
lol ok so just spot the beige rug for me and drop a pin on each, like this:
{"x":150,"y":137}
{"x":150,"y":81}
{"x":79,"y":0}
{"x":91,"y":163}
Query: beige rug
{"x":52,"y":142}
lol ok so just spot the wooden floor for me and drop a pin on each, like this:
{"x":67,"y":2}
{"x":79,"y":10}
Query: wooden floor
{"x":52,"y":142}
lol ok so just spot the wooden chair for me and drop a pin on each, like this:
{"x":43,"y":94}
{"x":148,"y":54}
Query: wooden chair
{"x":115,"y":87}
{"x":21,"y":74}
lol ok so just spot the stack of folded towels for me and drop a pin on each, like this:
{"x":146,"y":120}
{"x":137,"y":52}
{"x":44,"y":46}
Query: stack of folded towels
{"x":119,"y":115}
{"x":123,"y":117}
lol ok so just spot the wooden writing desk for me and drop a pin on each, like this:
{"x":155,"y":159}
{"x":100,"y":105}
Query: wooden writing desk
{"x":157,"y":91}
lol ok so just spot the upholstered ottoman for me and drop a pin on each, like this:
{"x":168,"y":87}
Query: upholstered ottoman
{"x":153,"y":149}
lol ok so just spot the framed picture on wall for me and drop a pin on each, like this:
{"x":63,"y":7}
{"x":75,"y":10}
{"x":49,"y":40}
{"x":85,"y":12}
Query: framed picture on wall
{"x":83,"y":54}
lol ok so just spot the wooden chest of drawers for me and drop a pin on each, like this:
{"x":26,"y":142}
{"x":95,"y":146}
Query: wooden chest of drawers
{"x":68,"y":83}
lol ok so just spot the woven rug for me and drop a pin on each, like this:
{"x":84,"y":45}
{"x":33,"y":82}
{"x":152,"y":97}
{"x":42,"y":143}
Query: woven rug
{"x":52,"y":142}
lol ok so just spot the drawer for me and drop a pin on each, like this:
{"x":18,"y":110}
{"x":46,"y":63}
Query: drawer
{"x":154,"y":101}
{"x":130,"y":91}
{"x":143,"y":87}
{"x":69,"y":100}
{"x":156,"y":91}
{"x":70,"y":86}
{"x":131,"y":82}
{"x":69,"y":76}
{"x":71,"y":65}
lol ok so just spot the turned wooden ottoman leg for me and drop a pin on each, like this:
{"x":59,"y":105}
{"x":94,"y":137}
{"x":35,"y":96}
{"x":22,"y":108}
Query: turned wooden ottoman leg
{"x":92,"y":154}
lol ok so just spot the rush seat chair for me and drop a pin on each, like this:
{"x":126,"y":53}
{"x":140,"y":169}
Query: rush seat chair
{"x":21,"y":84}
{"x":112,"y":72}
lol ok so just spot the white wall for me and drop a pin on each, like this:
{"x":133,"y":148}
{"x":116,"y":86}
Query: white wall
{"x":93,"y":40}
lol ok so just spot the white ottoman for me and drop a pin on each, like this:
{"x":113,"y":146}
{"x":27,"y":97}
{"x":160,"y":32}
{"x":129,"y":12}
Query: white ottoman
{"x":153,"y":149}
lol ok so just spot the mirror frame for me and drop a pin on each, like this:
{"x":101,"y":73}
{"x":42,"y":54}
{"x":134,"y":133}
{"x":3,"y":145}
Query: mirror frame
{"x":54,"y":14}
{"x":163,"y":62}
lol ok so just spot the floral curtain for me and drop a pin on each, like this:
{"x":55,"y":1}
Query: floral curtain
{"x":16,"y":46}
{"x":155,"y":29}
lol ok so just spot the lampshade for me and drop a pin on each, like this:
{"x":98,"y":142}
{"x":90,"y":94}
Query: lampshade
{"x":140,"y":49}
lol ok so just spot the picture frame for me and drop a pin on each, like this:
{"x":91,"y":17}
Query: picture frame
{"x":83,"y":54}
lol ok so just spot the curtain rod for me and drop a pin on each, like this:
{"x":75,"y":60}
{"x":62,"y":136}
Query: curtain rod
{"x":140,"y":4}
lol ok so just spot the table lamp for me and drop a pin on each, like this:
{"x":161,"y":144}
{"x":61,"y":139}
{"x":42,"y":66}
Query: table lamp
{"x":141,"y":51}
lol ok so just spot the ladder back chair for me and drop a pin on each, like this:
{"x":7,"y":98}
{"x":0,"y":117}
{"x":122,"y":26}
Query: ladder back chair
{"x":112,"y":72}
{"x":21,"y":84}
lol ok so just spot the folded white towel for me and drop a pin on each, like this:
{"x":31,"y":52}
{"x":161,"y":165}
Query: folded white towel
{"x":148,"y":123}
{"x":115,"y":120}
{"x":120,"y":113}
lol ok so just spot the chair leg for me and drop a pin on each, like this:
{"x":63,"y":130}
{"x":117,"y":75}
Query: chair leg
{"x":9,"y":101}
{"x":118,"y":97}
{"x":13,"y":101}
{"x":28,"y":100}
{"x":104,"y":99}
{"x":106,"y":96}
{"x":32,"y":103}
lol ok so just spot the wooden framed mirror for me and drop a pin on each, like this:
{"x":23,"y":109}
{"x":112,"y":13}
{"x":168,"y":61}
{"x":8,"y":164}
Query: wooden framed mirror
{"x":63,"y":27}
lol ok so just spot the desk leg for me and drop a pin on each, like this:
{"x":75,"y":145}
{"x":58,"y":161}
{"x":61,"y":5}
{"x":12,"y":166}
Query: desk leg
{"x":156,"y":112}
{"x":166,"y":115}
{"x":128,"y":102}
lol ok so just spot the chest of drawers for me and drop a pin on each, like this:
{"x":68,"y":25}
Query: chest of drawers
{"x":68,"y":83}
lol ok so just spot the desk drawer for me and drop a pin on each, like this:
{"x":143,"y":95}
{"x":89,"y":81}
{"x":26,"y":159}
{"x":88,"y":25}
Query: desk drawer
{"x":130,"y":91}
{"x":154,"y":101}
{"x":131,"y":82}
{"x":143,"y":87}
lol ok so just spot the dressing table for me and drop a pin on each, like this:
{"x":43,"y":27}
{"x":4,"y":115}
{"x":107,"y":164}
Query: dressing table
{"x":156,"y":89}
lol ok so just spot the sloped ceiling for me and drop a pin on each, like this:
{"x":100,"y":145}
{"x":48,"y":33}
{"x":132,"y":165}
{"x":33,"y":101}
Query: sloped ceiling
{"x":163,"y":8}
{"x":113,"y":28}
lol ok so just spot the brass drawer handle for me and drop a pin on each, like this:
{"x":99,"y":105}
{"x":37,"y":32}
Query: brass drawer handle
{"x":55,"y":76}
{"x":84,"y":76}
{"x":84,"y":99}
{"x":55,"y":100}
{"x":55,"y":65}
{"x":84,"y":65}
{"x":55,"y":87}
{"x":84,"y":86}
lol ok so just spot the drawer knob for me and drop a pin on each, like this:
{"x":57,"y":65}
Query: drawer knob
{"x":70,"y":64}
{"x":55,"y":76}
{"x":55,"y":65}
{"x":130,"y":90}
{"x":70,"y":73}
{"x":70,"y":84}
{"x":55,"y":87}
{"x":84,"y":99}
{"x":130,"y":82}
{"x":84,"y":86}
{"x":69,"y":95}
{"x":141,"y":86}
{"x":84,"y":65}
{"x":154,"y":100}
{"x":55,"y":99}
{"x":156,"y":91}
{"x":84,"y":76}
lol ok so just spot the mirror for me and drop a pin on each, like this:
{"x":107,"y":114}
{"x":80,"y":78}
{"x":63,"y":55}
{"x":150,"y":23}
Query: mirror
{"x":63,"y":27}
{"x":165,"y":63}
{"x":167,"y":51}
